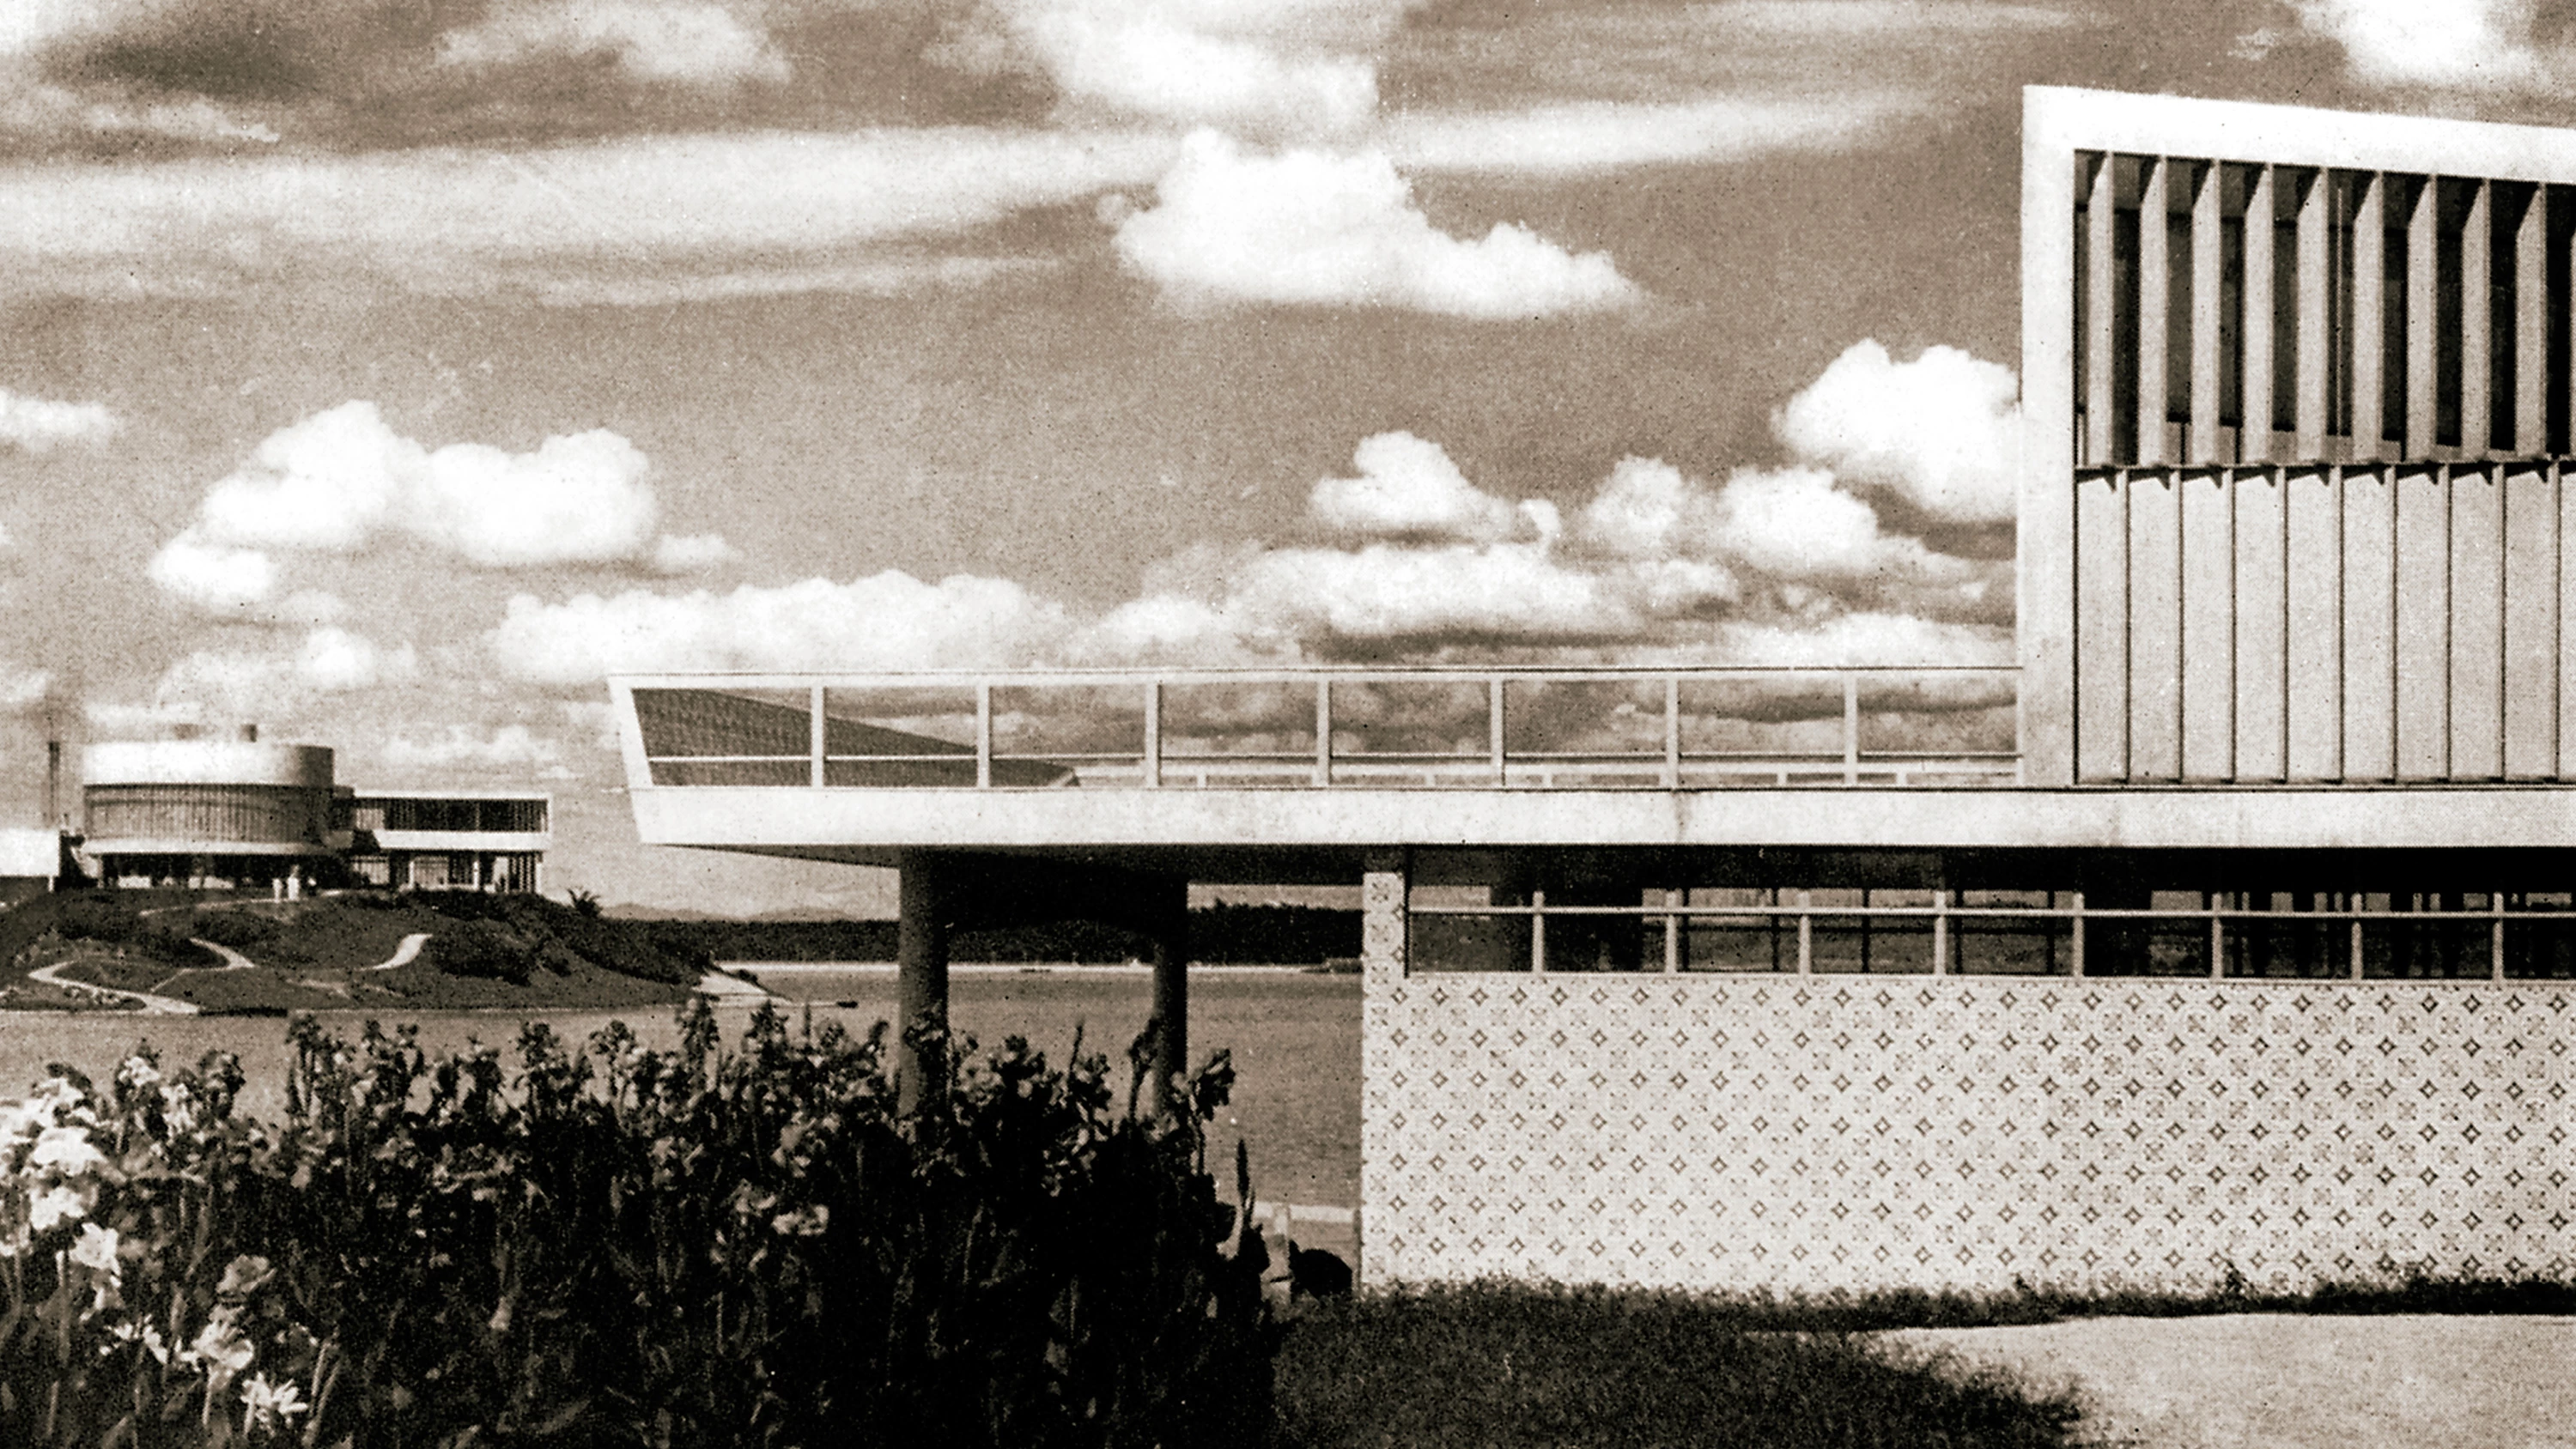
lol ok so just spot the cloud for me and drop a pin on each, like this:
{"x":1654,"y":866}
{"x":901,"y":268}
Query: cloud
{"x":1897,"y":18}
{"x":1315,"y":228}
{"x":1151,"y":60}
{"x":40,"y":109}
{"x":1408,"y":487}
{"x":509,"y":747}
{"x":1292,"y":67}
{"x":890,"y":620}
{"x":234,"y":685}
{"x":1570,"y":139}
{"x":37,"y":425}
{"x":22,"y":689}
{"x":631,"y":217}
{"x":683,"y":42}
{"x":341,"y":479}
{"x":2479,"y":44}
{"x":1942,"y":431}
{"x":211,"y":576}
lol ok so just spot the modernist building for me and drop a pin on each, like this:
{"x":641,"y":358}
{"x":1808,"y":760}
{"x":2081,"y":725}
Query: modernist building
{"x":247,"y":813}
{"x":2229,"y":932}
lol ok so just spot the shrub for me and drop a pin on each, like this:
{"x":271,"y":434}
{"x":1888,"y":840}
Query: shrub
{"x":482,"y":948}
{"x":101,"y":918}
{"x":240,"y":930}
{"x":623,"y":1246}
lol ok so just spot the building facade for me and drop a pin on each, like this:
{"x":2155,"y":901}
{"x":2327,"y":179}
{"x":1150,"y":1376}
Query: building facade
{"x":256,"y":815}
{"x":2228,"y":932}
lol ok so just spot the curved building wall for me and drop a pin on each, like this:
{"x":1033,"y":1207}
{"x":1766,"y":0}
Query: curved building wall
{"x":207,"y":797}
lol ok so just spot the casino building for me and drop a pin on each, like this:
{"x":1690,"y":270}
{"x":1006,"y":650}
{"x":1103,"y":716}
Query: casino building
{"x":254,"y":814}
{"x":2227,"y":931}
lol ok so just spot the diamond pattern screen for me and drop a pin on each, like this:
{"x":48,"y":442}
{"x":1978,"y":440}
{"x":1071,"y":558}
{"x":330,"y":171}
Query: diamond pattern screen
{"x":1820,"y":1133}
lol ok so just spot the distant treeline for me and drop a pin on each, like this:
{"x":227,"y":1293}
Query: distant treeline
{"x":1219,"y":935}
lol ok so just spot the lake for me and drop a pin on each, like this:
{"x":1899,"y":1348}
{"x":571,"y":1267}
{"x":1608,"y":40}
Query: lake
{"x":1295,"y":1039}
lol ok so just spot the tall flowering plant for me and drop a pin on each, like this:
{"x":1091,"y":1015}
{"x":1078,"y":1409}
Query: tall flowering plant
{"x":623,"y":1246}
{"x":127,"y":1317}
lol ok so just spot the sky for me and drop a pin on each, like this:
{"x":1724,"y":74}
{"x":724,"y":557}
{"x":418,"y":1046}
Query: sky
{"x":387,"y":372}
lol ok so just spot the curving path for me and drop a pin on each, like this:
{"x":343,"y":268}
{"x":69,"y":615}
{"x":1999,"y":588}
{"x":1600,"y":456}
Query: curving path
{"x":405,"y":952}
{"x":152,"y":1005}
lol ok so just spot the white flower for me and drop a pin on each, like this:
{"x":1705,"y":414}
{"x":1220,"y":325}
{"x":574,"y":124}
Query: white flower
{"x":138,"y":1073}
{"x":270,"y":1405}
{"x":96,"y":1248}
{"x":54,"y":1205}
{"x":220,"y":1345}
{"x":147,"y":1333}
{"x":66,"y":1150}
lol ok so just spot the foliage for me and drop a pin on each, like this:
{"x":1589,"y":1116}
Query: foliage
{"x":1499,"y":1365}
{"x":623,"y":1246}
{"x":108,"y":918}
{"x":483,"y":948}
{"x":241,"y":930}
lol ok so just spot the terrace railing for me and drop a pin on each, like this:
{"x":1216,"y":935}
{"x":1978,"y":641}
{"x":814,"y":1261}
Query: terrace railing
{"x":1325,"y":728}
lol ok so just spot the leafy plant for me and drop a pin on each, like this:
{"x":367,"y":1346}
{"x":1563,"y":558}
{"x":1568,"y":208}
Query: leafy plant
{"x":622,"y":1246}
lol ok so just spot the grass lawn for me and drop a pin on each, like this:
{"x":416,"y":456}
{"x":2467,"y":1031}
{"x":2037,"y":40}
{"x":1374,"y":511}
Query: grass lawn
{"x":1498,"y":1366}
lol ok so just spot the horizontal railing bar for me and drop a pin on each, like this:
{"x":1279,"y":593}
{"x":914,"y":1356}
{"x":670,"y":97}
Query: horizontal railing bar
{"x":1427,"y":674}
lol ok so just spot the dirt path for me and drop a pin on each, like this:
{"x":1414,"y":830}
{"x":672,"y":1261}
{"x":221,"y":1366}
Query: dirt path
{"x":2281,"y":1381}
{"x":404,"y":952}
{"x":152,"y":1005}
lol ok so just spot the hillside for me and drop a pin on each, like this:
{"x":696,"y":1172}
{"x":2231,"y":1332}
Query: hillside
{"x":437,"y":950}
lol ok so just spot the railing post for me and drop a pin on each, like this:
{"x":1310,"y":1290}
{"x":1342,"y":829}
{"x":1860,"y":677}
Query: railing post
{"x":2496,"y":945}
{"x":1538,"y":931}
{"x":1851,"y":729}
{"x":2075,"y":934}
{"x":1494,"y":727}
{"x":1940,"y":933}
{"x":814,"y":735}
{"x":2217,"y":938}
{"x":1153,"y":734}
{"x":2357,"y":953}
{"x":1806,"y":933}
{"x":983,"y":736}
{"x":1673,"y":932}
{"x":1672,"y":731}
{"x":1323,"y":732}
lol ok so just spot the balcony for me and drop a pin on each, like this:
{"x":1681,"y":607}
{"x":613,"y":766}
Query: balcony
{"x":1547,"y":729}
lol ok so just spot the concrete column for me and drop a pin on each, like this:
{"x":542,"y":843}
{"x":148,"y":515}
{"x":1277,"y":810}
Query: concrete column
{"x":921,"y":974}
{"x":1170,"y":1062}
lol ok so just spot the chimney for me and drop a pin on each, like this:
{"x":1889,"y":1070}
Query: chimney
{"x":250,"y":734}
{"x":53,"y":784}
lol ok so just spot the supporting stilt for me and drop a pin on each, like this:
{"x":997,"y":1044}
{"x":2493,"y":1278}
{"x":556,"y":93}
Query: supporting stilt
{"x":1170,"y":929}
{"x":921,"y":976}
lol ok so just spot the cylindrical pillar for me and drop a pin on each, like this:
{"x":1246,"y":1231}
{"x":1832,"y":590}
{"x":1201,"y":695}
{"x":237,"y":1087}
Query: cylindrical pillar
{"x":1170,"y":1061}
{"x":921,"y":978}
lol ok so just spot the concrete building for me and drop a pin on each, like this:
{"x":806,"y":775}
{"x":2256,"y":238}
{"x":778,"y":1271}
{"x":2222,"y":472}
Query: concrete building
{"x":260,"y":815}
{"x":447,"y":839}
{"x":2229,"y":932}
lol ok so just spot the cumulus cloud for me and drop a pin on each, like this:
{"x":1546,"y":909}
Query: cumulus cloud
{"x":890,"y":620}
{"x":212,"y":576}
{"x":40,"y":425}
{"x":1942,"y":431}
{"x":337,"y":481}
{"x":1312,"y":227}
{"x":2482,"y":44}
{"x":1408,"y":486}
{"x":686,"y":42}
{"x":224,"y":685}
{"x":1266,"y":66}
{"x":510,"y":747}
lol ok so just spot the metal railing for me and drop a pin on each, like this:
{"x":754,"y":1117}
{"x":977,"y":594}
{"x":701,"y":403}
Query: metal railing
{"x":1538,"y":728}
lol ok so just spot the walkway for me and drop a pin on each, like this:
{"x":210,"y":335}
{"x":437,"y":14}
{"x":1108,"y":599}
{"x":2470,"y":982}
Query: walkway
{"x":2284,"y":1381}
{"x":151,"y":1004}
{"x":404,"y":952}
